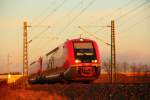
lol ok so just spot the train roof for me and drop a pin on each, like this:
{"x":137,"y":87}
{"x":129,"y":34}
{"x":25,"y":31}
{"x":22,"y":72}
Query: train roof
{"x":80,"y":39}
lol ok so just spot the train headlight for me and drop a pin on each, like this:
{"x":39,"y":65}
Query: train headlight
{"x":77,"y":61}
{"x":95,"y":61}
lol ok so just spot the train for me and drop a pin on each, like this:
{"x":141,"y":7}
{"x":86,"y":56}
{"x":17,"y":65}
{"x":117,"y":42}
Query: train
{"x":75,"y":60}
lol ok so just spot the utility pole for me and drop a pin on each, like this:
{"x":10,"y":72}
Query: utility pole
{"x":8,"y":63}
{"x":113,"y":52}
{"x":25,"y":49}
{"x":40,"y":63}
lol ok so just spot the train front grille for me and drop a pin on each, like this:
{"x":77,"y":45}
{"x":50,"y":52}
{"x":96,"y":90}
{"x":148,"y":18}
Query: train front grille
{"x":87,"y":71}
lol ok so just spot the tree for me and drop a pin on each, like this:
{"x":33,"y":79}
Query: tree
{"x":107,"y":68}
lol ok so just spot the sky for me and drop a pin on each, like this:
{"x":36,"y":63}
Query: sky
{"x":58,"y":20}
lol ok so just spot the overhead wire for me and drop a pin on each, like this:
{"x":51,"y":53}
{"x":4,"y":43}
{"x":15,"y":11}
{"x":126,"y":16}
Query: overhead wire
{"x":132,"y":10}
{"x":71,"y":22}
{"x":82,"y":11}
{"x":125,"y":13}
{"x":94,"y":36}
{"x":133,"y":25}
{"x":71,"y":11}
{"x":43,"y":31}
{"x":46,"y":29}
{"x":129,"y":18}
{"x":36,"y":36}
{"x":115,"y":11}
{"x":50,"y":14}
{"x":44,"y":11}
{"x":128,"y":13}
{"x":78,"y":15}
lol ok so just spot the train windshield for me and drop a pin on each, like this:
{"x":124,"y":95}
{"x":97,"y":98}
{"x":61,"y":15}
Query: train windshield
{"x":84,"y":51}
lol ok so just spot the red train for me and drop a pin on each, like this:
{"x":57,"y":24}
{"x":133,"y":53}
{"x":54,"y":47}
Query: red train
{"x":74,"y":60}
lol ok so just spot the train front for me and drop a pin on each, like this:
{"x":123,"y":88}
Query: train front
{"x":84,"y":59}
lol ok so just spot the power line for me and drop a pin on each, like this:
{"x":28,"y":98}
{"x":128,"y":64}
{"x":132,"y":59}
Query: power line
{"x":70,"y":21}
{"x":43,"y":31}
{"x":45,"y":10}
{"x":70,"y":12}
{"x":116,"y":10}
{"x":129,"y":19}
{"x":129,"y":12}
{"x":94,"y":36}
{"x":133,"y":25}
{"x":62,"y":18}
{"x":82,"y":11}
{"x":78,"y":15}
{"x":50,"y":14}
{"x":40,"y":33}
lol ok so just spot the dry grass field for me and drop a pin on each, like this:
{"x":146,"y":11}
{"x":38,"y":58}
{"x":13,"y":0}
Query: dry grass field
{"x":126,"y":88}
